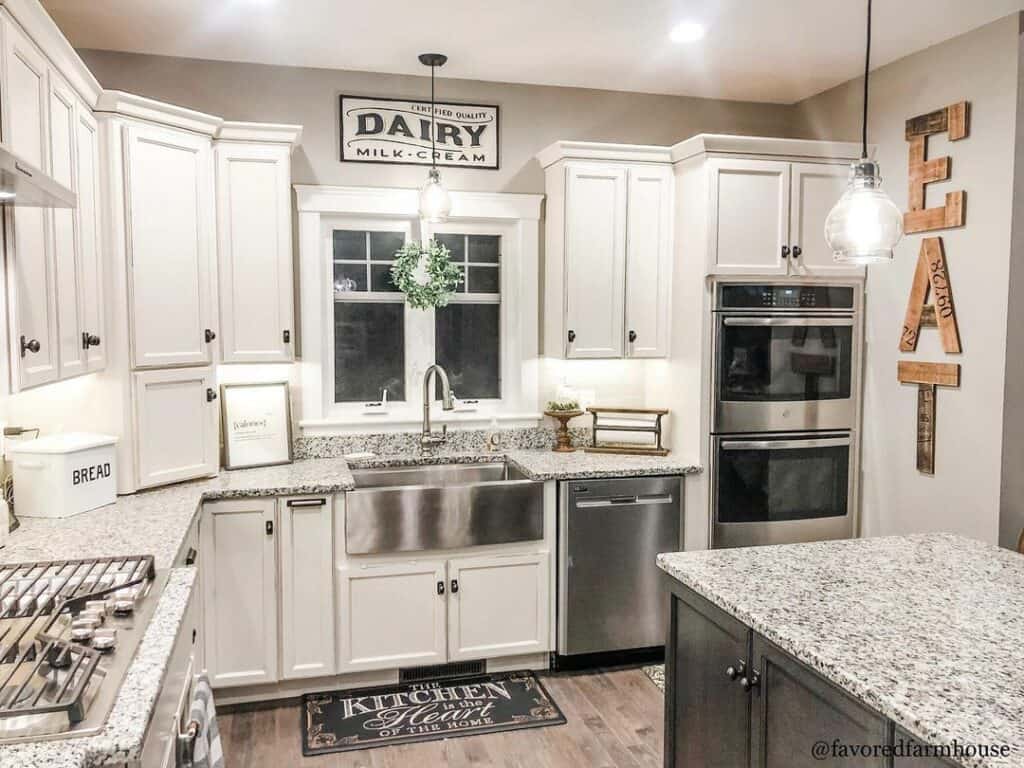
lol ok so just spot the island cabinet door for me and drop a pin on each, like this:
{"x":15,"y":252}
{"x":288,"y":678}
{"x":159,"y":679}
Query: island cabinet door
{"x":904,"y":741}
{"x":794,"y":709}
{"x":391,"y":615}
{"x":498,"y":606}
{"x":707,"y":711}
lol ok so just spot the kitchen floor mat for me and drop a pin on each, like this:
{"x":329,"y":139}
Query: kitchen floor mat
{"x":341,"y":721}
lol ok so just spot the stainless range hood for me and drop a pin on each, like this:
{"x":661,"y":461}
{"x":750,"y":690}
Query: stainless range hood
{"x":22,"y":183}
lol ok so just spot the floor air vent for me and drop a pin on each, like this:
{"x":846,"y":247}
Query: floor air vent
{"x":441,"y":671}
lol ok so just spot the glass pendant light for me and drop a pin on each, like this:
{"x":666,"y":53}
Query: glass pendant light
{"x":865,"y":225}
{"x":435,"y":202}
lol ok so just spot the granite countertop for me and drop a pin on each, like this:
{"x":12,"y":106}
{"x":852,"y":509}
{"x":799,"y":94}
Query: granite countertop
{"x":925,"y":629}
{"x":549,"y":465}
{"x":121,"y":739}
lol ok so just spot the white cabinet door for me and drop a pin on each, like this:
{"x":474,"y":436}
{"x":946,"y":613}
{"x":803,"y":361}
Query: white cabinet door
{"x":176,"y":422}
{"x":391,"y":615}
{"x":499,"y":606}
{"x":307,"y":594}
{"x":749,"y":217}
{"x":32,"y":297}
{"x":170,"y":238}
{"x":595,"y":259}
{"x":90,"y":228}
{"x":816,"y":188}
{"x":63,"y":126}
{"x":648,"y":261}
{"x":237,"y":553}
{"x":254,"y":252}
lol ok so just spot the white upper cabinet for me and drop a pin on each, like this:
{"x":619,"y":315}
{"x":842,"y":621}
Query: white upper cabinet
{"x":25,"y":97}
{"x":176,"y":419}
{"x":63,"y":125}
{"x":595,"y":259}
{"x":749,"y":216}
{"x":648,"y":261}
{"x":169,"y":192}
{"x":816,"y":187}
{"x":90,"y":252}
{"x":608,"y":259}
{"x":254,"y":250}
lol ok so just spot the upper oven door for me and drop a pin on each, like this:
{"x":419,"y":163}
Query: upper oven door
{"x":784,"y":373}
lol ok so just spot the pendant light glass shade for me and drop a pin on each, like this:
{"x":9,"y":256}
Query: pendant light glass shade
{"x":435,"y":202}
{"x":865,"y":225}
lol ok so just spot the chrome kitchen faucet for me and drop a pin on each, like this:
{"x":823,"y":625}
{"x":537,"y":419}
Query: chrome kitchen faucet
{"x":428,"y":438}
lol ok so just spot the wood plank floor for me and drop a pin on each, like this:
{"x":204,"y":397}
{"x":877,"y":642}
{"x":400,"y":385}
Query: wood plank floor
{"x":614,"y":721}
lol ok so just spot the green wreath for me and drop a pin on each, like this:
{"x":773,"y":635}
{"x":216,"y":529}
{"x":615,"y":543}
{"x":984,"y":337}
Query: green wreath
{"x":443,"y":277}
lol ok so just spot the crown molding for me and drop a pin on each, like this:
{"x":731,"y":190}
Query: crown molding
{"x":399,"y":201}
{"x":265,"y":133}
{"x":130,"y":105}
{"x":717,"y":143}
{"x":593,"y":150}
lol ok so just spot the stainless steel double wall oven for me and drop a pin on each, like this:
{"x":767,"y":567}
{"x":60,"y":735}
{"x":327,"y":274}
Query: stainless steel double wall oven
{"x":786,"y":386}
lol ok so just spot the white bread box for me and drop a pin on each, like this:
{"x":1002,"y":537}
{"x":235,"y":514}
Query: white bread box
{"x":62,"y":475}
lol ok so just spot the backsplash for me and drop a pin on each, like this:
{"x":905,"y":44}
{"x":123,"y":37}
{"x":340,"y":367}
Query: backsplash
{"x":403,"y":443}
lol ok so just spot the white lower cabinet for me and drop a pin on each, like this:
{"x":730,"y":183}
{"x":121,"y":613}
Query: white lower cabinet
{"x":392,"y":615}
{"x":499,"y":606}
{"x":238,"y":555}
{"x":307,"y":599}
{"x":176,"y":419}
{"x":421,"y":612}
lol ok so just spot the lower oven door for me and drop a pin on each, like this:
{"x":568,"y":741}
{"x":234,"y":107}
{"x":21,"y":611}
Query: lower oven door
{"x":782,"y":489}
{"x":784,"y":374}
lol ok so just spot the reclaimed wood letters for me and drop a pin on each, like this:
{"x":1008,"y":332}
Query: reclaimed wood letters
{"x":931,"y":277}
{"x":927,"y":376}
{"x":954,"y":121}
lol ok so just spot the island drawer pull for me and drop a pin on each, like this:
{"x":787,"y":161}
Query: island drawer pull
{"x":306,"y":502}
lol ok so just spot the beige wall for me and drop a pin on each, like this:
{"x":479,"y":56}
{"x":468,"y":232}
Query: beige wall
{"x":964,"y":494}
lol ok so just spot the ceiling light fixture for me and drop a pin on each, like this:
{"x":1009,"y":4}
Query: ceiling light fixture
{"x":865,"y":225}
{"x":435,"y":202}
{"x":687,"y":32}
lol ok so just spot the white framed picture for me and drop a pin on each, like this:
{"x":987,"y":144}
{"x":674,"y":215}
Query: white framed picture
{"x":257,"y":424}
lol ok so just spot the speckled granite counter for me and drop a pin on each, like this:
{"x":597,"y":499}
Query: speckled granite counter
{"x":120,"y":740}
{"x":928,"y":629}
{"x":548,"y":465}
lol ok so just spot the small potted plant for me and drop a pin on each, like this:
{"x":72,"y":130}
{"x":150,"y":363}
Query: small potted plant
{"x":563,"y":410}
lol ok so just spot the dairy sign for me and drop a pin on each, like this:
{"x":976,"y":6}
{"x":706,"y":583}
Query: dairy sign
{"x":400,"y":130}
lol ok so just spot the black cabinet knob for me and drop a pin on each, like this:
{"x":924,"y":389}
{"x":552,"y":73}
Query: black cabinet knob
{"x":785,"y":251}
{"x":209,"y":335}
{"x":89,"y":340}
{"x":455,"y":586}
{"x":190,"y":556}
{"x":749,"y":683}
{"x":30,"y":345}
{"x":632,"y":336}
{"x":572,"y":336}
{"x":211,"y":395}
{"x":287,"y":336}
{"x":440,"y":587}
{"x":797,"y":250}
{"x":733,"y":672}
{"x":269,"y":527}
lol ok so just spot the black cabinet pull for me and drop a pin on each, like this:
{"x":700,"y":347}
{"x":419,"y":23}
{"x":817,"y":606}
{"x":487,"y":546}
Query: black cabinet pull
{"x":455,"y":586}
{"x":785,"y":251}
{"x":287,"y":336}
{"x":306,"y":502}
{"x":89,"y":340}
{"x":270,"y":527}
{"x":440,"y":587}
{"x":30,"y":345}
{"x":749,"y":683}
{"x":190,"y":556}
{"x":572,"y":336}
{"x":737,"y":671}
{"x":632,"y":336}
{"x":209,"y":335}
{"x":797,"y":251}
{"x":210,"y":395}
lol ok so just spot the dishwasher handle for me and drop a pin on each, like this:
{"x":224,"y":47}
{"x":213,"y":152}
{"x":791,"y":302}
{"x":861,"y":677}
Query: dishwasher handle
{"x":621,"y":501}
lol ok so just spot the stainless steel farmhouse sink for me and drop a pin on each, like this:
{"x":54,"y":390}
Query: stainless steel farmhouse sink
{"x":446,"y":506}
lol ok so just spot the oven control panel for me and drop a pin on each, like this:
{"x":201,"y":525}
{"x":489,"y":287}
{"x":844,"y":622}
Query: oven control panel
{"x":757,"y":296}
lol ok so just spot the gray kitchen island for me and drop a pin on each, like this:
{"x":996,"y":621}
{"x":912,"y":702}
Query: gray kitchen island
{"x":898,"y":651}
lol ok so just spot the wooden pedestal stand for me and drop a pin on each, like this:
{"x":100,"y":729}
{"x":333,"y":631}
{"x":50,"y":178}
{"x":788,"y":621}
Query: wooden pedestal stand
{"x":564,"y":441}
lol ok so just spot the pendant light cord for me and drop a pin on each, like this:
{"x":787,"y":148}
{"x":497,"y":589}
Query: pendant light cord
{"x":433,"y":123}
{"x":867,"y":74}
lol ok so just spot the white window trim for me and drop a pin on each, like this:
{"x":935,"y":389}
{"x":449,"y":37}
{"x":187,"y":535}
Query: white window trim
{"x":516,"y":217}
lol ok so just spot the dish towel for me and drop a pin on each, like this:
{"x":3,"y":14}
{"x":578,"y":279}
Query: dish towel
{"x":207,"y":752}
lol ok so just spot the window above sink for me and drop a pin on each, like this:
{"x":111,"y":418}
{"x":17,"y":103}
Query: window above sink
{"x":359,"y":338}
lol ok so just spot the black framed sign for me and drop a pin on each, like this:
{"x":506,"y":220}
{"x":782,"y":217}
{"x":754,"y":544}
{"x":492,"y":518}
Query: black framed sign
{"x":376,"y":130}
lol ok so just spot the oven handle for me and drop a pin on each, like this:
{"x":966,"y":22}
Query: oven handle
{"x":845,"y":322}
{"x":761,"y":445}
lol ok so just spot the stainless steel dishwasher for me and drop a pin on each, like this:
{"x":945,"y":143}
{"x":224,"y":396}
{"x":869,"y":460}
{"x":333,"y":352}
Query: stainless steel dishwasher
{"x":609,"y":534}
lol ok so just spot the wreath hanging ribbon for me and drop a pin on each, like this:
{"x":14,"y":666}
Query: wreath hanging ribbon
{"x":442,"y":276}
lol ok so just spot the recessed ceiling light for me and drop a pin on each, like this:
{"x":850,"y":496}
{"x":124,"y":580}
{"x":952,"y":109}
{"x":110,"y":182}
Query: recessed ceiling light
{"x":687,"y":32}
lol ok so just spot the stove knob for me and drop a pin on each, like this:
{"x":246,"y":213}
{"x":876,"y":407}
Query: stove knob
{"x":104,"y":639}
{"x":98,"y":606}
{"x":124,"y":606}
{"x":93,"y":615}
{"x":83,"y":633}
{"x":85,"y":621}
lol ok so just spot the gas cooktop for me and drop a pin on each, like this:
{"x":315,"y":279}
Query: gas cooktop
{"x":68,"y":632}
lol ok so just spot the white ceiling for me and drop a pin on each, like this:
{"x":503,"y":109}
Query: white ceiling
{"x":762,"y":50}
